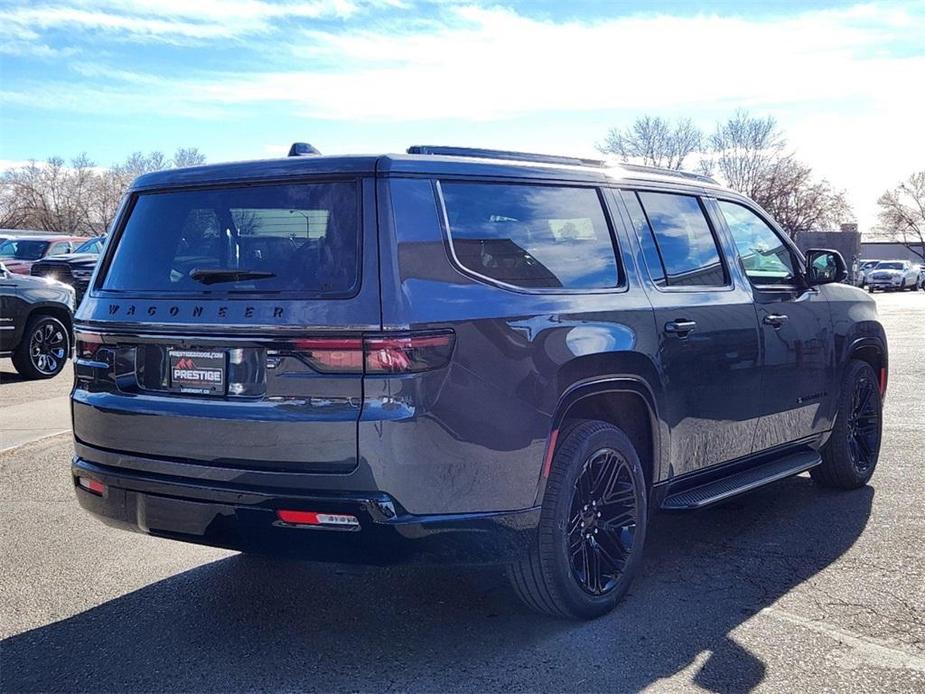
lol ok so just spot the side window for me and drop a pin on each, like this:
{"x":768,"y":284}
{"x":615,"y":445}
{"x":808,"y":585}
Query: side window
{"x":532,"y":236}
{"x":59,"y":247}
{"x":644,"y":234}
{"x":685,"y":242}
{"x":765,"y":257}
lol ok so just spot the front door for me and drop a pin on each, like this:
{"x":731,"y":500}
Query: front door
{"x":708,"y":333}
{"x":796,"y":331}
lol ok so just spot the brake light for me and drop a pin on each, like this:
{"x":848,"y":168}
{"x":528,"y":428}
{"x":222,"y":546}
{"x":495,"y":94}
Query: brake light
{"x":332,"y":355}
{"x":87,"y":344}
{"x":883,"y":380}
{"x":377,"y":355}
{"x":409,"y":354}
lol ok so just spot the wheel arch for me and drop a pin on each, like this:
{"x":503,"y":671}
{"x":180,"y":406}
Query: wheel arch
{"x":624,"y":400}
{"x":873,"y":351}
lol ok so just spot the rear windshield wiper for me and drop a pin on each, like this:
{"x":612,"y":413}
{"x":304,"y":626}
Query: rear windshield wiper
{"x":216,"y":275}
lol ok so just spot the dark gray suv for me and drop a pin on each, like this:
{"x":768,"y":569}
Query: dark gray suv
{"x":459,"y":355}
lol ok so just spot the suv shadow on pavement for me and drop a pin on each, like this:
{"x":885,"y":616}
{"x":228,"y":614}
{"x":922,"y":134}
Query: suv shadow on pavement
{"x":249,"y":623}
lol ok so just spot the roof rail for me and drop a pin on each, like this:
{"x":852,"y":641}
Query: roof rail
{"x":504,"y":154}
{"x":690,"y":175}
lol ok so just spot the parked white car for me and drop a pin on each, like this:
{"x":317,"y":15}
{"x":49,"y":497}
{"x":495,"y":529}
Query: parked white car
{"x":893,"y":274}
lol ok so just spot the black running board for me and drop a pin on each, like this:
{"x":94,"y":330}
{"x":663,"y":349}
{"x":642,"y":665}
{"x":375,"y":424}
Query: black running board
{"x":740,"y":482}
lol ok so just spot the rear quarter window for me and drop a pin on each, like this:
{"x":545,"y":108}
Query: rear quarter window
{"x":531,"y":236}
{"x":299,"y":238}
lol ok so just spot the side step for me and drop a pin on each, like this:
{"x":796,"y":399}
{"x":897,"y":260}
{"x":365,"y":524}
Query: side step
{"x":740,"y":482}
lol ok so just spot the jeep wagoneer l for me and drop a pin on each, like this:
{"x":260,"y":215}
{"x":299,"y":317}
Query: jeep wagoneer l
{"x":460,"y":355}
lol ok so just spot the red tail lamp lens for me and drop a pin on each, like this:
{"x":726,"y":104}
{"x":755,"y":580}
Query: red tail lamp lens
{"x":87,"y":345}
{"x":332,"y":355}
{"x":884,"y":377}
{"x":377,"y":355}
{"x":408,"y":354}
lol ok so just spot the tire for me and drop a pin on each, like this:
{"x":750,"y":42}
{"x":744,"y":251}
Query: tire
{"x":902,"y":286}
{"x":44,"y":348}
{"x":849,"y":458}
{"x":870,"y":289}
{"x":550,"y":579}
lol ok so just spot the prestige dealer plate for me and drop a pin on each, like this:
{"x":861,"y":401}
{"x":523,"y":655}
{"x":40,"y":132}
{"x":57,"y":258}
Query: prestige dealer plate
{"x":201,"y":372}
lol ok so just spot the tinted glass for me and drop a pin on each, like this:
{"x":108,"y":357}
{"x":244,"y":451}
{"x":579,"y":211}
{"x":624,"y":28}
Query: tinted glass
{"x":24,"y":249}
{"x":298,"y":238}
{"x":765,"y":257}
{"x":91,"y":246}
{"x":685,"y":241}
{"x":531,"y":236}
{"x":644,"y":234}
{"x":890,"y":266}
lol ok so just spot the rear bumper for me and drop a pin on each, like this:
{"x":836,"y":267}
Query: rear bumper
{"x":244,"y":518}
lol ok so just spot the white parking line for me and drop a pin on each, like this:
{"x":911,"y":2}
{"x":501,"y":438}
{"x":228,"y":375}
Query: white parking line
{"x":864,"y":649}
{"x":33,"y":421}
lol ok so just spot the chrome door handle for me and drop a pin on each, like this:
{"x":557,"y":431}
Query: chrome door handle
{"x":680,"y":327}
{"x":775,"y":319}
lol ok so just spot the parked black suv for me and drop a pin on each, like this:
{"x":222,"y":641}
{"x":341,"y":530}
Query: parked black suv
{"x":35,"y":323}
{"x":460,"y":355}
{"x":75,"y":268}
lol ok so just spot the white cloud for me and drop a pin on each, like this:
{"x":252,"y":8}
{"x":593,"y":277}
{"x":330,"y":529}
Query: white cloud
{"x":172,"y":21}
{"x":855,"y":70}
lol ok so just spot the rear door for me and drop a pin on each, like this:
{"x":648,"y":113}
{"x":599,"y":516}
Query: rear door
{"x":796,"y":331}
{"x":224,"y":327}
{"x":708,"y":333}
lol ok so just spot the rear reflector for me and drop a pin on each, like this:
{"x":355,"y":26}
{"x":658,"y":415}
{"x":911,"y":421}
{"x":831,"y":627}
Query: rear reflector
{"x":376,"y":355}
{"x":883,"y":380}
{"x":94,"y":486}
{"x":550,"y":452}
{"x":335,"y":520}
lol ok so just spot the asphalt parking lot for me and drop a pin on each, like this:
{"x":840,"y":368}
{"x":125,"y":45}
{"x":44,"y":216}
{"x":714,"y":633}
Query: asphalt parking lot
{"x":789,"y":588}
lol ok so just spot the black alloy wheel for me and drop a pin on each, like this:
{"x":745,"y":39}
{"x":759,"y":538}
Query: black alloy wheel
{"x":592,"y":525}
{"x":864,"y":423}
{"x":602,"y":521}
{"x":850,"y":456}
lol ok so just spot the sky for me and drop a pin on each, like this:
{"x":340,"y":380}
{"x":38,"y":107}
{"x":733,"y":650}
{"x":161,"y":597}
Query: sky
{"x":242,"y":79}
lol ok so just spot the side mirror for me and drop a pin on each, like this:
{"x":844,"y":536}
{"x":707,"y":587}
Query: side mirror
{"x":824,"y":266}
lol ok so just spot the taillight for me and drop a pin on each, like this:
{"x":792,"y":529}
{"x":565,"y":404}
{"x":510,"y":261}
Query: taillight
{"x":408,"y":354}
{"x":87,"y":345}
{"x":332,"y":355}
{"x":377,"y":355}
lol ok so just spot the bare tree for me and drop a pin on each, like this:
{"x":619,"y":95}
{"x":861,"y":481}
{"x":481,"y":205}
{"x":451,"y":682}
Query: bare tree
{"x":654,"y":141}
{"x":902,"y":213}
{"x":78,"y":197}
{"x":787,"y":190}
{"x":188,"y":156}
{"x":742,"y":151}
{"x":749,"y":155}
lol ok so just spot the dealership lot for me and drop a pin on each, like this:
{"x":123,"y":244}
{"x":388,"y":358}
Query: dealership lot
{"x":790,"y":587}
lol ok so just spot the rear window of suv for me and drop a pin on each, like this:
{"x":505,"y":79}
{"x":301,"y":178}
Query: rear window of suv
{"x":299,"y":238}
{"x":531,"y":236}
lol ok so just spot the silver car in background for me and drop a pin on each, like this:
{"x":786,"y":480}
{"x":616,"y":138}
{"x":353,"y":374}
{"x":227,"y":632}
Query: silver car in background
{"x":893,"y":275}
